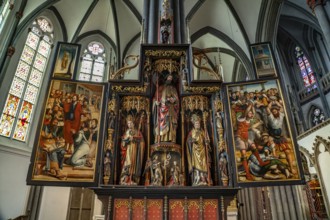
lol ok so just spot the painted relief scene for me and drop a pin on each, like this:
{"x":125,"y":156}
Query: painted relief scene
{"x":69,"y":135}
{"x":264,"y":150}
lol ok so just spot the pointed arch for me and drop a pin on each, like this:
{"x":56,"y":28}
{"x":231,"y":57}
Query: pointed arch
{"x":322,"y":146}
{"x":235,"y":47}
{"x":21,"y":101}
{"x":315,"y":115}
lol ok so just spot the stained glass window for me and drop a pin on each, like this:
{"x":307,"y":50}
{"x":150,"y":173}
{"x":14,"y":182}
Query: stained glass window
{"x":93,"y":63}
{"x":317,"y":116}
{"x":4,"y":12}
{"x":23,"y":93}
{"x":306,"y":70}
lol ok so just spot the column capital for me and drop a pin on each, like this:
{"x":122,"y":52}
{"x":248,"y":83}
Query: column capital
{"x":313,"y":3}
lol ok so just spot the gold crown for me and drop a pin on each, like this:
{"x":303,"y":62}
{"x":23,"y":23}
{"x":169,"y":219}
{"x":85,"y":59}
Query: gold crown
{"x":129,"y":118}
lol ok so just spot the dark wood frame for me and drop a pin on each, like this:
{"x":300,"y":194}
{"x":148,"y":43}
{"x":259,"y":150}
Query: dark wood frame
{"x":231,"y":139}
{"x":31,"y":180}
{"x":72,"y":63}
{"x":268,"y":50}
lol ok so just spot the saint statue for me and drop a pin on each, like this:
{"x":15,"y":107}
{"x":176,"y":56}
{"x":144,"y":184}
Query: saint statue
{"x":156,"y":172}
{"x":166,"y":111}
{"x":198,"y":154}
{"x":132,"y":151}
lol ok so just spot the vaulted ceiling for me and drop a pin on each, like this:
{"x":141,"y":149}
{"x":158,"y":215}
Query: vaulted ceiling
{"x":227,"y":24}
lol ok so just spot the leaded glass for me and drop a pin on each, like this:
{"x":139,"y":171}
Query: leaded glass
{"x":21,"y":130}
{"x":84,"y":77}
{"x":25,"y":112}
{"x":11,"y":105}
{"x":86,"y":66}
{"x":306,"y":70}
{"x":44,"y":48}
{"x":31,"y":93}
{"x":317,"y":116}
{"x":35,"y":77}
{"x":44,"y":25}
{"x":6,"y":124}
{"x":27,"y":54}
{"x":22,"y":70}
{"x":95,"y":48}
{"x":40,"y":62}
{"x":97,"y":78}
{"x":98,"y":69}
{"x":36,"y":31}
{"x":17,"y":87}
{"x":12,"y":119}
{"x":32,"y":40}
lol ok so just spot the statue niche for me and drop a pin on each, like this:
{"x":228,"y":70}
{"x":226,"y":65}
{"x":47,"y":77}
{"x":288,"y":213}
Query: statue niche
{"x":164,"y":164}
{"x":132,"y":144}
{"x":198,"y":142}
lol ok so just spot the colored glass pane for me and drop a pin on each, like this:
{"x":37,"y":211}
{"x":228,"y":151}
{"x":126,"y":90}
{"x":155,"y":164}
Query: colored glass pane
{"x":98,"y":68}
{"x":22,"y":70}
{"x":36,"y":31}
{"x":26,"y":111}
{"x":44,"y":25}
{"x":35,"y":77}
{"x":21,"y":130}
{"x":39,"y":62}
{"x":17,"y":87}
{"x":11,"y":105}
{"x":84,"y":77}
{"x":86,"y":66}
{"x":27,"y":54}
{"x":97,"y":78}
{"x":6,"y":124}
{"x":31,"y":94}
{"x":44,"y":48}
{"x":317,"y":116}
{"x":95,"y":48}
{"x":10,"y":119}
{"x":32,"y":40}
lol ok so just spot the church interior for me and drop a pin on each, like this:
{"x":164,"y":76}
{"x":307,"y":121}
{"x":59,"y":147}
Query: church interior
{"x":164,"y":109}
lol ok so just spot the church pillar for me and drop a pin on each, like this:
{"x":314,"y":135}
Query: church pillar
{"x":285,"y":203}
{"x":145,"y":21}
{"x":322,"y":13}
{"x":164,"y":22}
{"x":152,"y":22}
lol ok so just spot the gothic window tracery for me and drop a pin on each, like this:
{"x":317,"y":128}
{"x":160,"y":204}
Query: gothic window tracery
{"x":317,"y":116}
{"x":23,"y":93}
{"x":305,"y":67}
{"x":93,"y":63}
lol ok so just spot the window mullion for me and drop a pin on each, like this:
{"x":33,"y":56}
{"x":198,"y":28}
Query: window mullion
{"x":92,"y":70}
{"x":17,"y":119}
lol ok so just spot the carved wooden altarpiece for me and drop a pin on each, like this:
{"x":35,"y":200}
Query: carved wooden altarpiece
{"x":165,"y":155}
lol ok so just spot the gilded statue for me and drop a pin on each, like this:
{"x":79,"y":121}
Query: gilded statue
{"x":166,"y":111}
{"x":132,"y":151}
{"x":198,"y":154}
